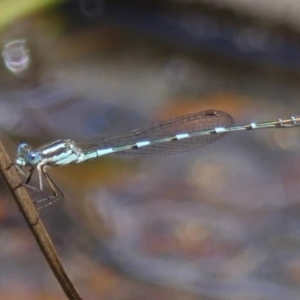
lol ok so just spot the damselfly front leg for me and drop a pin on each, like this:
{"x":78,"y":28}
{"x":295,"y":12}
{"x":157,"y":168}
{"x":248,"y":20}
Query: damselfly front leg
{"x":42,"y":174}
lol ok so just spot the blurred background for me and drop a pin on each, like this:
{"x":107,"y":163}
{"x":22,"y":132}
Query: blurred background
{"x":221,"y":222}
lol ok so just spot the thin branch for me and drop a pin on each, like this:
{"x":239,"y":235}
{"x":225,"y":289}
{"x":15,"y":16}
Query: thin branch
{"x":35,"y":224}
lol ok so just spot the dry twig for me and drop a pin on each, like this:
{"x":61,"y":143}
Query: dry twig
{"x":35,"y":224}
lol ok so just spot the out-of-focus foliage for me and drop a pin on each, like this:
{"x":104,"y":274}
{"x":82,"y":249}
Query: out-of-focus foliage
{"x":13,"y":10}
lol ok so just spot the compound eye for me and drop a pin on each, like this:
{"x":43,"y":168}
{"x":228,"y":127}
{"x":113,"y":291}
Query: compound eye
{"x":23,"y":148}
{"x":33,"y":158}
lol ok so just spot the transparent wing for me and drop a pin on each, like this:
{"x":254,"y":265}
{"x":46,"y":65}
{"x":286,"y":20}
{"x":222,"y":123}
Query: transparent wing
{"x":192,"y":123}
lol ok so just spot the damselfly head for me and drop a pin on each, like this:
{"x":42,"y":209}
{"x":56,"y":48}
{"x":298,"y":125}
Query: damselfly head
{"x":22,"y":151}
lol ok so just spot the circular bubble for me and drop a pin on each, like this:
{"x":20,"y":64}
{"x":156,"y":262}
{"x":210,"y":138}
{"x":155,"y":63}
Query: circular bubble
{"x":16,"y":56}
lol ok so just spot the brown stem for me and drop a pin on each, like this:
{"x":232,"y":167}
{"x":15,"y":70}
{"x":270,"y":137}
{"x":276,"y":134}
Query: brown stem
{"x":35,"y":224}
